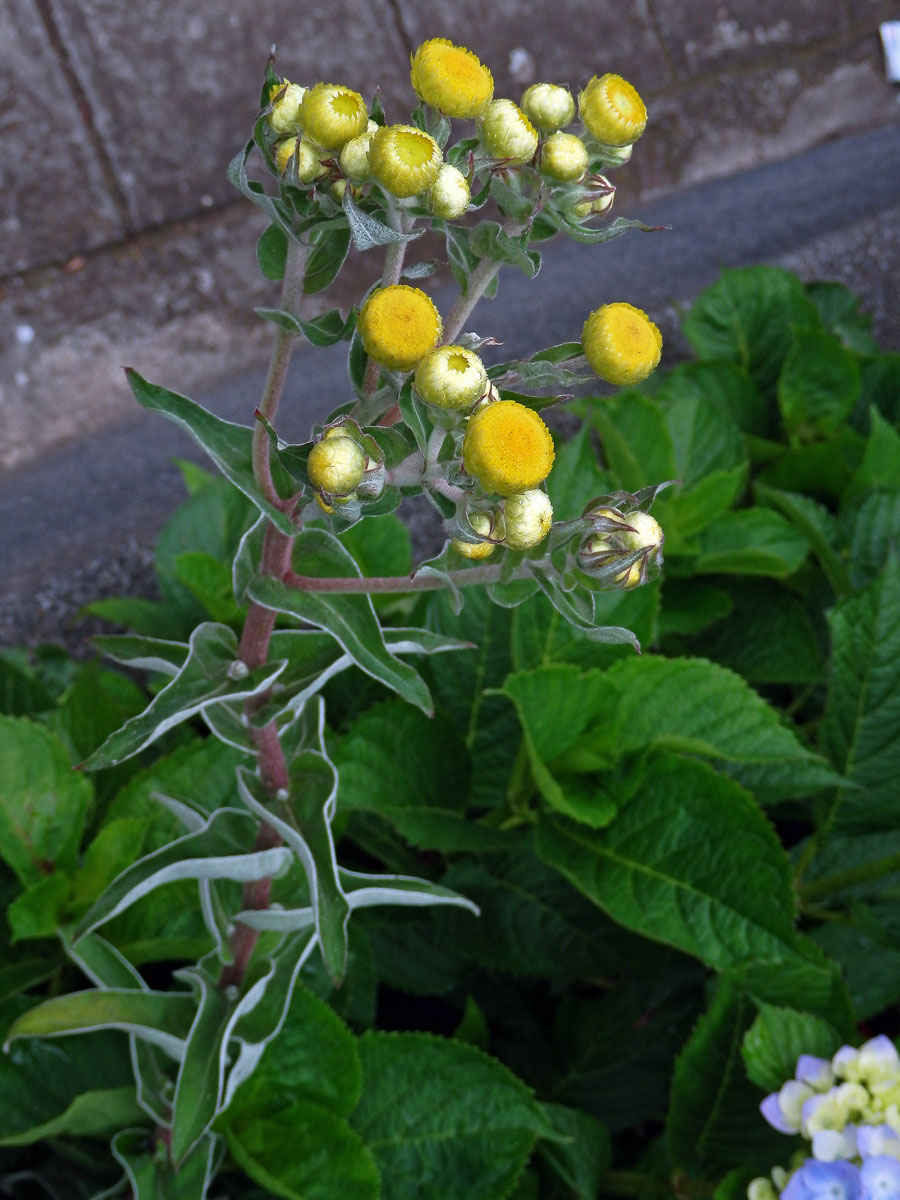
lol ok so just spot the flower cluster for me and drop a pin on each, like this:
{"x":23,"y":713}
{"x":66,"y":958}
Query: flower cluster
{"x":849,"y":1109}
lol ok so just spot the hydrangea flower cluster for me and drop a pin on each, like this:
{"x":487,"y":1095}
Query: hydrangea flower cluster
{"x":849,"y":1109}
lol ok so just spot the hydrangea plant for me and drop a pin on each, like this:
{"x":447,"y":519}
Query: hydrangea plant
{"x":425,"y":416}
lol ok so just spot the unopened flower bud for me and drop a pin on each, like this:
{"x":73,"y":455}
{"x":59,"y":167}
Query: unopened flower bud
{"x":548,"y":106}
{"x":284,"y":153}
{"x":336,"y":465}
{"x":612,"y":110}
{"x":482,"y":524}
{"x":528,"y":517}
{"x":354,"y":158}
{"x":286,"y":99}
{"x":761,"y":1189}
{"x":564,"y":157}
{"x":614,"y":156}
{"x":238,"y":669}
{"x":336,"y":190}
{"x":606,"y":194}
{"x":331,"y":115}
{"x":449,"y":193}
{"x":507,"y":133}
{"x":451,"y":377}
{"x":621,"y":343}
{"x":405,"y":160}
{"x":645,"y":532}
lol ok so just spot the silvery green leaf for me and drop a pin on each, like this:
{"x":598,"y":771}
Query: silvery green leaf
{"x":217,"y":851}
{"x":207,"y":677}
{"x":146,"y":653}
{"x":227,"y":444}
{"x":151,"y":1178}
{"x":247,"y":559}
{"x":367,"y":891}
{"x":368,"y":231}
{"x":226,"y":722}
{"x":161,"y":1018}
{"x":197,"y":1087}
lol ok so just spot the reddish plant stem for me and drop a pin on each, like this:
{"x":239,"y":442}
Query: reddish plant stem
{"x":396,"y":583}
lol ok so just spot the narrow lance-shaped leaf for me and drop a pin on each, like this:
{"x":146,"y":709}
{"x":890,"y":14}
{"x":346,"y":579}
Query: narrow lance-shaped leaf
{"x":208,"y":677}
{"x":227,"y":444}
{"x":150,"y":1176}
{"x":145,"y":653}
{"x":197,"y":1088}
{"x":217,"y":851}
{"x":350,"y":619}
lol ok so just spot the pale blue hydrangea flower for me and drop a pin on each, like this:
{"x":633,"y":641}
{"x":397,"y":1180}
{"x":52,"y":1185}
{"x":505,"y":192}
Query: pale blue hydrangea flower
{"x":783,"y":1109}
{"x":880,"y":1178}
{"x":825,"y":1181}
{"x":877,"y":1140}
{"x":828,"y":1145}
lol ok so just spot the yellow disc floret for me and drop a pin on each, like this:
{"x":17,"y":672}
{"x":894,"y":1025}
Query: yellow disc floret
{"x":331,"y":115}
{"x":621,"y":343}
{"x":564,"y":157}
{"x":398,"y":326}
{"x":548,"y":106}
{"x":507,"y":447}
{"x":451,"y":377}
{"x":336,"y":465}
{"x":449,"y":193}
{"x":528,"y":517}
{"x":507,"y":133}
{"x":612,"y":110}
{"x":404,"y":160}
{"x":450,"y":78}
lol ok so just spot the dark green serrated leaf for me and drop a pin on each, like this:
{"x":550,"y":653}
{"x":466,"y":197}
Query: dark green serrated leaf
{"x":777,"y":1038}
{"x":579,"y":1153}
{"x":442,"y":1117}
{"x":752,"y":541}
{"x":818,"y":385}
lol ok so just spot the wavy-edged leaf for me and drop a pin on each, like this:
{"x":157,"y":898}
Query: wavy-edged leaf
{"x":227,"y":444}
{"x":149,"y":1174}
{"x":442,"y":1118}
{"x":208,"y":677}
{"x":145,"y":653}
{"x":367,"y":231}
{"x":217,"y":851}
{"x":350,"y":619}
{"x":161,"y":1018}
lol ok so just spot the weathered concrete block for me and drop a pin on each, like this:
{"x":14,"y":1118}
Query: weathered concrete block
{"x":704,"y":37}
{"x":55,"y":199}
{"x":174,"y":90}
{"x":727,"y":122}
{"x":523,"y":41}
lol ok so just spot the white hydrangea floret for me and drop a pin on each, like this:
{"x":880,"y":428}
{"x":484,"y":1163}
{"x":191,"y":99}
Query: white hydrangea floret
{"x":872,"y":1140}
{"x":878,"y":1060}
{"x":782,"y":1109}
{"x":828,"y":1145}
{"x":815,"y":1072}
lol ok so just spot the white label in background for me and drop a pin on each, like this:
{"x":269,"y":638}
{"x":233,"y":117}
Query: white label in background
{"x":890,"y":39}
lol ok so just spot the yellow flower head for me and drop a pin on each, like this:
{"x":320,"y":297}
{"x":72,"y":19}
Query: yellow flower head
{"x":404,"y":160}
{"x":336,"y":465}
{"x":450,"y":78}
{"x":507,"y":447}
{"x":398,"y":326}
{"x":451,"y":377}
{"x":331,"y":115}
{"x":481,"y":523}
{"x":506,"y":132}
{"x":621,"y":343}
{"x":612,"y":110}
{"x":449,"y":193}
{"x":528,"y":517}
{"x":548,"y":106}
{"x":564,"y":157}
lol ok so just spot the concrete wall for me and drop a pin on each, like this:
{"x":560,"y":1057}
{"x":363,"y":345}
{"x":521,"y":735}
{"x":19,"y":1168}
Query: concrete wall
{"x":122,"y":241}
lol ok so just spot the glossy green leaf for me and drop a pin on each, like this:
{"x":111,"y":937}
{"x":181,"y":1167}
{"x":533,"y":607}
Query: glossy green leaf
{"x":777,"y":1038}
{"x":651,"y":870}
{"x":818,"y":385}
{"x":442,"y":1117}
{"x":752,"y":541}
{"x":579,"y":1153}
{"x":43,"y":802}
{"x":861,"y":726}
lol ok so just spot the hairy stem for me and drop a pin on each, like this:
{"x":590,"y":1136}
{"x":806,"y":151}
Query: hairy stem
{"x":285,"y":339}
{"x":381,"y":584}
{"x":479,"y":281}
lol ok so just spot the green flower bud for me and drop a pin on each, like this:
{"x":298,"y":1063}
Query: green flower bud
{"x":331,"y":115}
{"x":528,"y":517}
{"x":564,"y":157}
{"x":336,"y":464}
{"x":483,"y":524}
{"x":548,"y":106}
{"x":507,"y":133}
{"x":449,"y":193}
{"x":354,"y":158}
{"x":451,"y":377}
{"x":286,"y":99}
